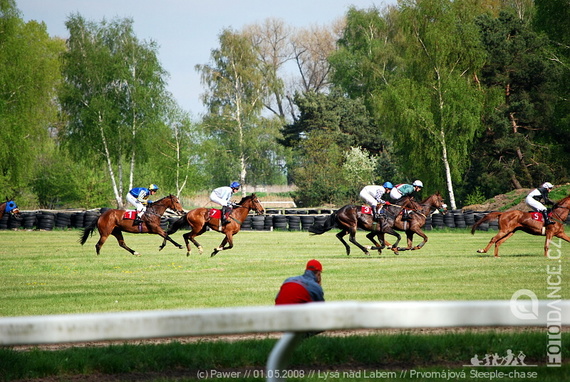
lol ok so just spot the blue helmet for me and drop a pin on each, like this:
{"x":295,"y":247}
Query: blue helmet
{"x":153,"y":187}
{"x":235,"y":185}
{"x":388,"y":185}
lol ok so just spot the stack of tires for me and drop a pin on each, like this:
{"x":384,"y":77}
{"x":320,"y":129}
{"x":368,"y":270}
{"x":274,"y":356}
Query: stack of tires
{"x":483,"y":226}
{"x":29,"y":220}
{"x":45,"y":220}
{"x":306,"y":222}
{"x":62,"y":220}
{"x":280,"y":222}
{"x":258,"y":222}
{"x":268,"y":223}
{"x":459,"y":219}
{"x":437,"y":221}
{"x":90,"y":217}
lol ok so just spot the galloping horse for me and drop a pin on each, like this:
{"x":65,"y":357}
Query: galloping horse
{"x":200,"y":219}
{"x":9,"y":206}
{"x":417,"y":218}
{"x":112,"y":222}
{"x":350,"y":217}
{"x":512,"y":221}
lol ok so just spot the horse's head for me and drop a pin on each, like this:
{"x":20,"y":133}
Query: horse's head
{"x":11,"y":207}
{"x":252,"y":202}
{"x":436,"y":201}
{"x":170,"y":202}
{"x":175,"y":204}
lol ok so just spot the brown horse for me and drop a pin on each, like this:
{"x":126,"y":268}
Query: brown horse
{"x":111,"y":222}
{"x":9,"y":206}
{"x":200,"y":220}
{"x":512,"y":221}
{"x":350,"y":218}
{"x":417,"y":218}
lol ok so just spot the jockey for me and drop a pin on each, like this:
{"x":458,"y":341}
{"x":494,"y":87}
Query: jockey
{"x":138,"y":197}
{"x":222,"y":196}
{"x":372,"y":195}
{"x":403,"y":190}
{"x":406,"y":189}
{"x":541,"y":193}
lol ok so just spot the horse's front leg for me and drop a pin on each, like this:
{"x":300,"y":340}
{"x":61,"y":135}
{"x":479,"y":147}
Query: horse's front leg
{"x":549,"y":236}
{"x":227,"y":240}
{"x":394,"y":246}
{"x":162,"y":245}
{"x":378,"y":246}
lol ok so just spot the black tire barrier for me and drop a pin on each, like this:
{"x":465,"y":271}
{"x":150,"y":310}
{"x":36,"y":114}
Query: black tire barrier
{"x":280,"y":222}
{"x":258,"y":222}
{"x":63,"y":220}
{"x":29,"y":220}
{"x":15,"y":222}
{"x":47,"y":220}
{"x":4,"y":221}
{"x":294,"y":222}
{"x":77,"y":220}
{"x":306,"y":222}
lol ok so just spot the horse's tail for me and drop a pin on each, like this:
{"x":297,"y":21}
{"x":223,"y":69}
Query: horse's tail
{"x":319,"y":229}
{"x":489,"y":216}
{"x":177,"y":225}
{"x":88,"y":231}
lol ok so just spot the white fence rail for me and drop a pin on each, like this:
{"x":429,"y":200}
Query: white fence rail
{"x":292,"y":319}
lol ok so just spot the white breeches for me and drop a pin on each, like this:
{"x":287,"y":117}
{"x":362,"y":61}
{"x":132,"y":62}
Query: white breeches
{"x":395,"y":194}
{"x":137,"y":204}
{"x":535,"y":204}
{"x":371,"y":200}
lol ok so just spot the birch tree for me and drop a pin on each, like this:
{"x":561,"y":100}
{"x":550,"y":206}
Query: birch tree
{"x":113,"y":94}
{"x":433,"y":107}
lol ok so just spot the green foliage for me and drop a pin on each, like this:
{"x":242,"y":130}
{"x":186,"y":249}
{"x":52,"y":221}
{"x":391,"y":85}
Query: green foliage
{"x":520,"y":79}
{"x":476,"y":197}
{"x":114,"y":96}
{"x":29,"y":76}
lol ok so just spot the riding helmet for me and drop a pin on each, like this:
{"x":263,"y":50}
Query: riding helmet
{"x":388,"y":185}
{"x":235,"y":185}
{"x":548,"y":185}
{"x":418,"y":183}
{"x":153,"y":187}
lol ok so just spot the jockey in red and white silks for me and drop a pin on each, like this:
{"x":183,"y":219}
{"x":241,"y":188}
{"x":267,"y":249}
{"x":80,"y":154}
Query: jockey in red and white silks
{"x":533,"y":200}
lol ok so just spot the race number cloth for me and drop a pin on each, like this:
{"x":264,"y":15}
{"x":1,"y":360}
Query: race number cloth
{"x":130,"y":215}
{"x":215,"y":213}
{"x":367,"y":210}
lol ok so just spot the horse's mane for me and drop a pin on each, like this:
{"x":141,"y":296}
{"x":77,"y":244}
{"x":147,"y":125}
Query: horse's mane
{"x":429,"y":197}
{"x":246,"y":198}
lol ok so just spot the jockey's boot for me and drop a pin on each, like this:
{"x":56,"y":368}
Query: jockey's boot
{"x":138,"y":220}
{"x":226,"y":211}
{"x":406,"y":215}
{"x":378,"y":212}
{"x":547,"y":220}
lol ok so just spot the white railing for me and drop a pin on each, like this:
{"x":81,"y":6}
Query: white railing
{"x":292,"y":319}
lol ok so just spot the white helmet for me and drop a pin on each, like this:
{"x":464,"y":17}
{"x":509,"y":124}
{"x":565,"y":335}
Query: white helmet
{"x":548,"y":185}
{"x":418,"y":183}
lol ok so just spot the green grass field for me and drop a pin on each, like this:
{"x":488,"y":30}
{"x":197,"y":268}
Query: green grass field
{"x":50,"y":273}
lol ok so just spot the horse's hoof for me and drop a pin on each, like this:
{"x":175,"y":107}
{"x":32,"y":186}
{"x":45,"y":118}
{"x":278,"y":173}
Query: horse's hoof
{"x":480,"y":251}
{"x":389,"y":247}
{"x":213,"y":254}
{"x":136,"y":254}
{"x":180,"y":247}
{"x":187,"y":254}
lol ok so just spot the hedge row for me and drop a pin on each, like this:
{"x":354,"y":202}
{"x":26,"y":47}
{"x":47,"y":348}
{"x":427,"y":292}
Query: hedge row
{"x":291,"y":220}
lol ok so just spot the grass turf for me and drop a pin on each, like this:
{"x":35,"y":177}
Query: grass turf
{"x":50,"y":273}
